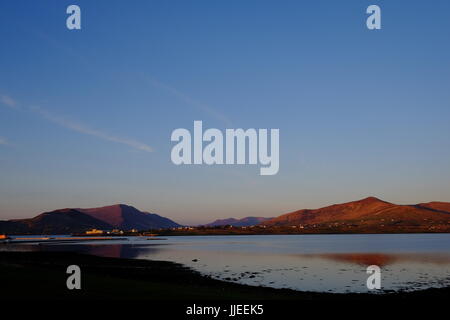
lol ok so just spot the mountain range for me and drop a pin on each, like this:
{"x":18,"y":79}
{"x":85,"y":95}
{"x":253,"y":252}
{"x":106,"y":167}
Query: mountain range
{"x":370,"y":215}
{"x":63,"y":221}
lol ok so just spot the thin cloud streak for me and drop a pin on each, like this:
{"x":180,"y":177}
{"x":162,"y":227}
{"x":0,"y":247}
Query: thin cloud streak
{"x":74,"y":126}
{"x":8,"y":101}
{"x":63,"y":122}
{"x":188,"y":100}
{"x":3,"y":141}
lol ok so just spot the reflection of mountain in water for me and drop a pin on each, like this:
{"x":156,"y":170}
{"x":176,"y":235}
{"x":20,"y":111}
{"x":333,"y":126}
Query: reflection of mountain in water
{"x":382,"y":259}
{"x":128,"y":251}
{"x":365,"y":259}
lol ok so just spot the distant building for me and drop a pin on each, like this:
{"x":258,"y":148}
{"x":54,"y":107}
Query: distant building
{"x":94,"y":231}
{"x":116,"y":231}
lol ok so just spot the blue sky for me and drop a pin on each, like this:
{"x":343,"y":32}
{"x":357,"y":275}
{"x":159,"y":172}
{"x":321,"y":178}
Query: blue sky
{"x":86,"y":116}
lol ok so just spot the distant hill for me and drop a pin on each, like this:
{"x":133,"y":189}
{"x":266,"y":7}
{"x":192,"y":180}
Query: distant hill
{"x":436,"y":206}
{"x":370,"y":215}
{"x":63,"y":221}
{"x":54,"y":222}
{"x":244,"y":222}
{"x":126,"y":217}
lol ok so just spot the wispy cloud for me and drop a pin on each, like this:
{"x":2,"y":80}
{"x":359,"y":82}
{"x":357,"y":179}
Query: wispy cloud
{"x":8,"y":101}
{"x":3,"y":141}
{"x":192,"y":102}
{"x":81,"y":128}
{"x":72,"y":125}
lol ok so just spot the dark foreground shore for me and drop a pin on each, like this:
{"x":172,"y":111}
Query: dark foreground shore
{"x":42,"y":276}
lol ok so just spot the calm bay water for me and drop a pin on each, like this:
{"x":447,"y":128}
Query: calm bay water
{"x":331,"y":263}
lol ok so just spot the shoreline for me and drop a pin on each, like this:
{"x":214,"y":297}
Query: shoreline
{"x":42,"y":276}
{"x":182,"y":234}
